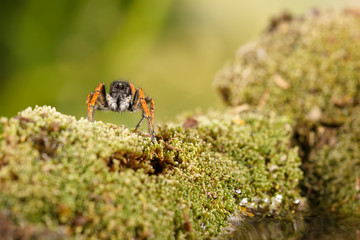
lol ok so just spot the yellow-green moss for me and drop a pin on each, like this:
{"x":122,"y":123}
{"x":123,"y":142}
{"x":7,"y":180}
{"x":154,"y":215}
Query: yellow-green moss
{"x":100,"y":181}
{"x":309,"y":69}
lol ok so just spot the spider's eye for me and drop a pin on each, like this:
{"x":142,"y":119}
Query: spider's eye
{"x":121,"y":87}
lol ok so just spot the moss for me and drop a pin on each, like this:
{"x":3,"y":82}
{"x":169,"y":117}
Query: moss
{"x":335,"y":169}
{"x":309,"y":70}
{"x":100,"y":181}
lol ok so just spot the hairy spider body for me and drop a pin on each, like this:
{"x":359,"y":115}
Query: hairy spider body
{"x":122,"y":96}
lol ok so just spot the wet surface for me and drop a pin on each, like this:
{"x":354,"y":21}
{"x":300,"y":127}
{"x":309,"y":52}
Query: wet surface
{"x":313,"y":227}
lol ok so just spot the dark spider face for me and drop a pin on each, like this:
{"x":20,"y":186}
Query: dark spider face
{"x":120,"y":93}
{"x":120,"y":89}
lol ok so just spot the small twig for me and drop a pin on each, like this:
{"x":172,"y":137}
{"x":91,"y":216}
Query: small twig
{"x":209,"y":194}
{"x":170,"y":146}
{"x":203,"y":185}
{"x":143,"y":133}
{"x":239,"y":109}
{"x":174,"y":148}
{"x":177,"y":135}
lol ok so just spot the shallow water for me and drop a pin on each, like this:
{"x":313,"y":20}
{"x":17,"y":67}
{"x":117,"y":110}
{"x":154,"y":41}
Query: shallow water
{"x":314,"y":227}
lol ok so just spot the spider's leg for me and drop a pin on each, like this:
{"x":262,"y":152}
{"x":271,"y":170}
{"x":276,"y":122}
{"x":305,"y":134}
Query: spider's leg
{"x":96,"y":100}
{"x":140,"y":99}
{"x":133,"y":90}
{"x":148,"y":113}
{"x":89,"y":108}
{"x":141,"y":120}
{"x":135,"y":104}
{"x":136,"y":99}
{"x":152,"y":108}
{"x":151,"y":120}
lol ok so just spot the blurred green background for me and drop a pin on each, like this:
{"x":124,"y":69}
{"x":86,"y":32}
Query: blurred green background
{"x":56,"y":52}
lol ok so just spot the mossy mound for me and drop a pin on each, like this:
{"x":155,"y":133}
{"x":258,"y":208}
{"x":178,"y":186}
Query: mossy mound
{"x":309,"y":70}
{"x":100,"y":181}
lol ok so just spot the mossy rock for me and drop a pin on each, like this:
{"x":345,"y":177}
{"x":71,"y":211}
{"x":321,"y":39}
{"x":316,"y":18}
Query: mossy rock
{"x":309,"y":70}
{"x":100,"y":181}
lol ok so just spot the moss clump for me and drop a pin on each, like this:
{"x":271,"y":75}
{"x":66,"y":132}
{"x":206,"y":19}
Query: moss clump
{"x":309,"y":69}
{"x":100,"y":181}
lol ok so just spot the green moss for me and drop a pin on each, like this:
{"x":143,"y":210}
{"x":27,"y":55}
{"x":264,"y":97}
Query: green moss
{"x":309,"y":70}
{"x":100,"y":181}
{"x":338,"y":164}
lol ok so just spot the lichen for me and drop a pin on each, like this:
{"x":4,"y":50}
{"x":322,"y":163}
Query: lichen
{"x":101,"y":181}
{"x":308,"y":69}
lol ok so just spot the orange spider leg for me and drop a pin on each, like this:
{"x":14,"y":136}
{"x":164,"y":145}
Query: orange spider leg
{"x":93,"y":98}
{"x":147,"y":99}
{"x":148,"y":114}
{"x":89,"y":109}
{"x":152,"y":108}
{"x":143,"y":103}
{"x":132,"y":88}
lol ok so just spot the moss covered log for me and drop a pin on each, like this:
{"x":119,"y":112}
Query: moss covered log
{"x":101,"y":181}
{"x":309,"y":70}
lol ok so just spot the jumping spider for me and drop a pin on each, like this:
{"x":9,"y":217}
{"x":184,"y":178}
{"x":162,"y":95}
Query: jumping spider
{"x":123,"y":96}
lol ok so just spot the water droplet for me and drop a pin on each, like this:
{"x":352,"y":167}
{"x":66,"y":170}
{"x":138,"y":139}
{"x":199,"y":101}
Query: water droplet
{"x":278,"y":198}
{"x":244,"y":201}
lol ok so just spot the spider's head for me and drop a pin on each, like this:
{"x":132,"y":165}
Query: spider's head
{"x":120,"y":93}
